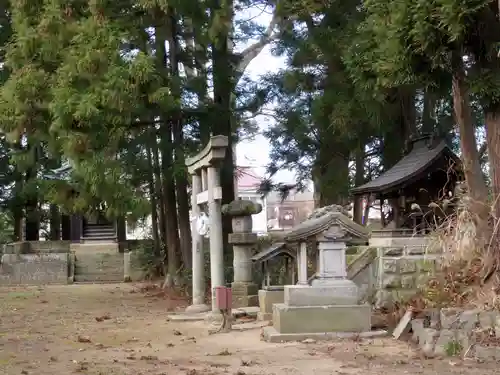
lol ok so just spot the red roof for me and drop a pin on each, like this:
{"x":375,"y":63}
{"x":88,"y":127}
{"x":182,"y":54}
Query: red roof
{"x":247,"y":178}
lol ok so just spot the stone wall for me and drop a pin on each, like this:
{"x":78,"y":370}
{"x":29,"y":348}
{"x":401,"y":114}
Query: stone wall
{"x":401,"y":270}
{"x":35,"y":263}
{"x":391,"y":268}
{"x":456,"y":332}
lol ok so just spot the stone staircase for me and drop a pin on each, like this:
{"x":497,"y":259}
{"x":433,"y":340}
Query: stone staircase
{"x":99,"y":233}
{"x":99,"y":266}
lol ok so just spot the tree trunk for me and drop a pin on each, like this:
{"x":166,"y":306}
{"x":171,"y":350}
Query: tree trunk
{"x":154,"y":203}
{"x":331,"y":176}
{"x":492,"y":119}
{"x":55,"y":223}
{"x":221,"y":115}
{"x":167,"y":168}
{"x":159,"y":192}
{"x":472,"y":169}
{"x":169,"y":198}
{"x":32,"y":219}
{"x":181,"y":182}
{"x":17,"y":209}
{"x":359,"y":179}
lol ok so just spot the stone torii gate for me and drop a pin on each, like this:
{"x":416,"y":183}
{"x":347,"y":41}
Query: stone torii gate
{"x":206,"y":190}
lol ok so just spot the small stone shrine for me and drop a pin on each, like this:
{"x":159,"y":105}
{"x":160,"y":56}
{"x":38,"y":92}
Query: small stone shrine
{"x":331,"y":305}
{"x":243,"y":241}
{"x":270,"y":293}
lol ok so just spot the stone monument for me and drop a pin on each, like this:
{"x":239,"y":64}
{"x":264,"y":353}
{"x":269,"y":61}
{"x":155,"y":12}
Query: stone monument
{"x":206,"y":191}
{"x":331,"y":305}
{"x":243,"y":241}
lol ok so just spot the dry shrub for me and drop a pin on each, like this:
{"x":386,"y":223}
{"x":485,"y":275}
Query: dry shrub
{"x":466,"y":274}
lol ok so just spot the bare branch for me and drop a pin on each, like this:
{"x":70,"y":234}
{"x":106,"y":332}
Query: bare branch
{"x":251,"y":52}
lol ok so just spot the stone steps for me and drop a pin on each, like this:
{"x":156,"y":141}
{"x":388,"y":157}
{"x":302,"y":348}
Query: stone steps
{"x":98,"y":278}
{"x":99,"y":267}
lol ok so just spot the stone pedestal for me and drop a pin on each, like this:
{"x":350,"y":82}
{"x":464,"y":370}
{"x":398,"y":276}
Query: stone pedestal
{"x":321,"y":319}
{"x":331,"y":304}
{"x":313,"y":309}
{"x":267,"y":298}
{"x":245,"y":292}
{"x":243,"y":241}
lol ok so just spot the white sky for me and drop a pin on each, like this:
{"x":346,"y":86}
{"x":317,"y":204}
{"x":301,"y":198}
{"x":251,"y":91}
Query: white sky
{"x":255,"y":153}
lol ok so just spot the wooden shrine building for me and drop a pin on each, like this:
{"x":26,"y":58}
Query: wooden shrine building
{"x":427,"y":173}
{"x":94,"y":229}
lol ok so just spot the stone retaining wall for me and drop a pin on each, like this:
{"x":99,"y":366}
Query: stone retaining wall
{"x":401,"y":271}
{"x":35,"y":263}
{"x":457,"y":332}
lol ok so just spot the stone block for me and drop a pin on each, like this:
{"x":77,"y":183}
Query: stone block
{"x":453,"y":318}
{"x":450,"y":317}
{"x":487,"y":352}
{"x":432,"y":317}
{"x":344,"y":292}
{"x":22,"y":247}
{"x":384,"y":298}
{"x":408,"y":282}
{"x":393,"y":251}
{"x":244,"y":294}
{"x":37,"y":269}
{"x":447,"y":343}
{"x":417,"y":325}
{"x":49,"y":246}
{"x":487,"y":319}
{"x":469,"y":319}
{"x":316,"y":319}
{"x":407,"y":266}
{"x":414,"y":250}
{"x":391,"y":281}
{"x":242,"y":238}
{"x":390,"y":265}
{"x":266,"y":300}
{"x":245,"y":301}
{"x":427,"y":265}
{"x":244,"y":288}
{"x":427,"y":339}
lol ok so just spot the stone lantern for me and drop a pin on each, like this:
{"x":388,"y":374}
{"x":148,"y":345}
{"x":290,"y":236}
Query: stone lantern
{"x":245,"y":292}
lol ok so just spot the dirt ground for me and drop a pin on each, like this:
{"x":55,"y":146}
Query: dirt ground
{"x":121,"y":330}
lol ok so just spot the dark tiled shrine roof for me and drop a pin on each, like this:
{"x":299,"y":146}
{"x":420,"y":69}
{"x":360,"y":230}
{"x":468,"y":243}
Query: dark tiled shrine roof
{"x":276,"y":249}
{"x":420,"y":158}
{"x":315,"y":226}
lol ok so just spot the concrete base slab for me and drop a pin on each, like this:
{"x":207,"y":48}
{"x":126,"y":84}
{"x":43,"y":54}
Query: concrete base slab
{"x":270,"y":334}
{"x":183,"y":317}
{"x":196,"y":309}
{"x":249,"y":325}
{"x":210,"y":316}
{"x":317,"y":319}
